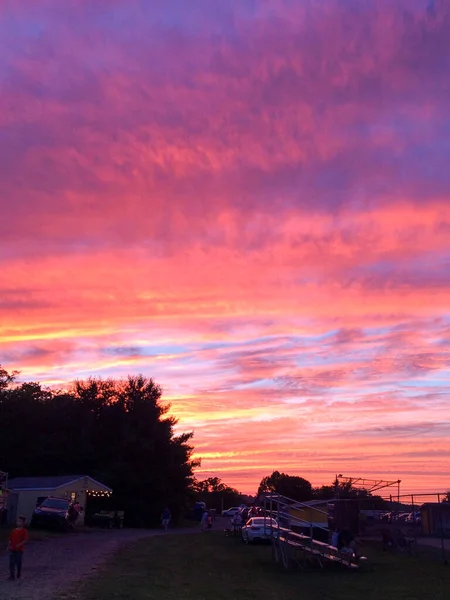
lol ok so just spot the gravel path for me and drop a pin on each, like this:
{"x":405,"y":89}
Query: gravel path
{"x":52,"y":566}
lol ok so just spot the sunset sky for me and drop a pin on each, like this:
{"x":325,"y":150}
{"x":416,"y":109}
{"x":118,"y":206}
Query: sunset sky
{"x":249,"y":201}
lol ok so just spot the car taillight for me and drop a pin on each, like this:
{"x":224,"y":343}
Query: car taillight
{"x":253,"y":528}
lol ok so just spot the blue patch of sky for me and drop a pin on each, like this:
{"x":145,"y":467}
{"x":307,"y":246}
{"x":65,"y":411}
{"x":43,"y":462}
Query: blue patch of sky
{"x":14,"y":32}
{"x":422,"y":269}
{"x":288,"y":340}
{"x":162,"y":349}
{"x":378,"y":331}
{"x":445,"y":319}
{"x":310,"y":359}
{"x":254,"y":385}
{"x":16,"y":36}
{"x":429,"y":159}
{"x":432,"y":379}
{"x":325,"y":337}
{"x":187,"y":18}
{"x":406,"y":125}
{"x":145,"y":350}
{"x":165,"y":349}
{"x":417,"y":393}
{"x":190,"y":16}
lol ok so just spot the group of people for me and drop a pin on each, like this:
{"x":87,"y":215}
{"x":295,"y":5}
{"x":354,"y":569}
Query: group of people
{"x":241,"y":517}
{"x":207,"y":521}
{"x":344,"y":541}
{"x":74,"y":512}
{"x":19,"y":537}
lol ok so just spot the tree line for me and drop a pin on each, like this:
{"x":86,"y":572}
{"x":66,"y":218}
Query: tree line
{"x":119,"y":432}
{"x":216,"y":494}
{"x":115,"y":430}
{"x":300,"y":489}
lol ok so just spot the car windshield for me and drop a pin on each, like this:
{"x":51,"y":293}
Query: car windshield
{"x":261,"y":520}
{"x":55,"y":503}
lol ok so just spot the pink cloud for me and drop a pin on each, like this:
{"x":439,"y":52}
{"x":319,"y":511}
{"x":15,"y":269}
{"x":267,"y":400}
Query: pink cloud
{"x":249,"y":203}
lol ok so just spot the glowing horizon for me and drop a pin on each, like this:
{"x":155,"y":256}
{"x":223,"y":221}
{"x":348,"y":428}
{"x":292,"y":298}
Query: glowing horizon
{"x":248,"y":202}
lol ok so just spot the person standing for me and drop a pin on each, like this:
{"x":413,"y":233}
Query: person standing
{"x":74,"y":512}
{"x":204,"y":521}
{"x":347,"y":542}
{"x":16,"y":545}
{"x":165,"y":518}
{"x":335,"y":538}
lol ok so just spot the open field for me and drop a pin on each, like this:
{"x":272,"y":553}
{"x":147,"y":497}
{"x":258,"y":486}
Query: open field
{"x":213,"y":567}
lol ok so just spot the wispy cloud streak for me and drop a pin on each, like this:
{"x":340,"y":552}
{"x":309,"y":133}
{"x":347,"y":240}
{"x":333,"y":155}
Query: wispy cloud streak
{"x":249,"y":202}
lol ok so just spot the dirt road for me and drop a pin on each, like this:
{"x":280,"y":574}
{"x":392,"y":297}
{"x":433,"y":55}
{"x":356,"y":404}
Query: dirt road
{"x":54,"y":565}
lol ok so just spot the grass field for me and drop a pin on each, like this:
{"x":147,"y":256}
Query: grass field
{"x":213,"y":567}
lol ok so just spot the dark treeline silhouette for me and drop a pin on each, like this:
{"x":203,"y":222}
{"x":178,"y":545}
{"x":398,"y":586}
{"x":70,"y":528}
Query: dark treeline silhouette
{"x":291,"y":486}
{"x":216,"y":494}
{"x":116,"y":431}
{"x":300,"y":489}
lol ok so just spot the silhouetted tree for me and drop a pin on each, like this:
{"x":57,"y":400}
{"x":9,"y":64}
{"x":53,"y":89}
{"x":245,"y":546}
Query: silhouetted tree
{"x":290,"y":486}
{"x":216,"y":494}
{"x":117,"y":431}
{"x":325,"y":492}
{"x":210,"y":485}
{"x":6,"y":379}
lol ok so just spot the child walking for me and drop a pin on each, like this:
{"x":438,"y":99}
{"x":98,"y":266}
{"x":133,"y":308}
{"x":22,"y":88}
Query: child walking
{"x":166,"y":518}
{"x":16,"y":544}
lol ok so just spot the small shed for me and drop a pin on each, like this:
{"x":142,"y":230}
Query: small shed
{"x":435,"y":518}
{"x":25,"y":493}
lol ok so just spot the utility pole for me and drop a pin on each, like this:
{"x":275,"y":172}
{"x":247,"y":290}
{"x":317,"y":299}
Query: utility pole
{"x":3,"y":490}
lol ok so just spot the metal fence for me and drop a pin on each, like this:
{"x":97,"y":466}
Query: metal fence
{"x":425,"y":517}
{"x":420,"y":520}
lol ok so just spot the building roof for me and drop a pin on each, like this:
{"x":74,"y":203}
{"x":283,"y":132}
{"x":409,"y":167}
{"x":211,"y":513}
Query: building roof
{"x":318,"y":502}
{"x":47,"y":483}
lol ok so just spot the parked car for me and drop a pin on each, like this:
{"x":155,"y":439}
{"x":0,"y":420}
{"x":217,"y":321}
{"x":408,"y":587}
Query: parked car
{"x":414,"y":517}
{"x":106,"y":519}
{"x":52,"y":512}
{"x":230,"y":512}
{"x":259,"y":529}
{"x":402,"y":517}
{"x":394,"y":516}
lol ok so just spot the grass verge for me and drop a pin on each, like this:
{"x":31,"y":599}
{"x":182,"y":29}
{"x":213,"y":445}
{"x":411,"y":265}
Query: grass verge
{"x":206,"y":567}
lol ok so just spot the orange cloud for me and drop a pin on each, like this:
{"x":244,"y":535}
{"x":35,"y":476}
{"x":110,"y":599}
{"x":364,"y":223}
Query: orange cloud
{"x":250,"y":203}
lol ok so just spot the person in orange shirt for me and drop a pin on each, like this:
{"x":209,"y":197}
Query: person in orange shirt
{"x":16,"y":544}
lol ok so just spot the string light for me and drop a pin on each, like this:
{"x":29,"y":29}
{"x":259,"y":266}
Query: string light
{"x":98,"y":494}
